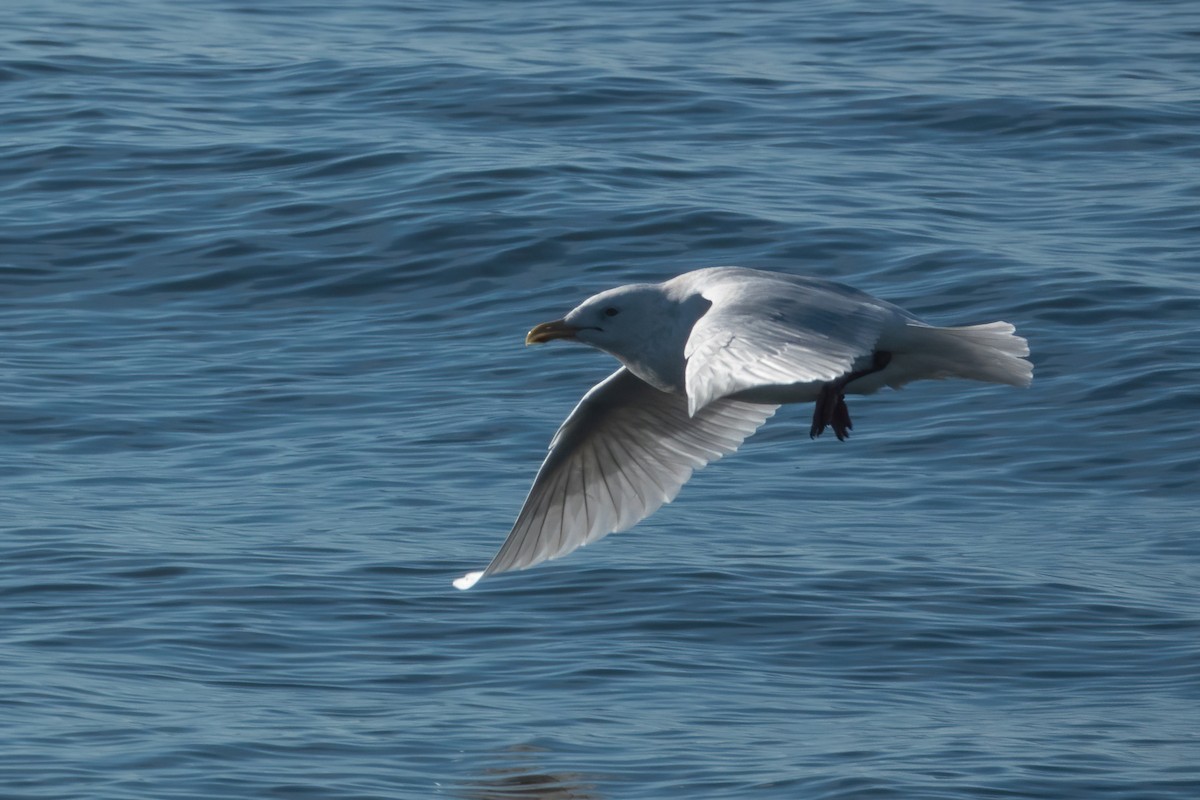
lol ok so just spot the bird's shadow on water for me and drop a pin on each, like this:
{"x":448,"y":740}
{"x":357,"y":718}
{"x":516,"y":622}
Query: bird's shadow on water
{"x":517,"y":773}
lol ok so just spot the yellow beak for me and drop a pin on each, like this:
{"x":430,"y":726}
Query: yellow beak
{"x":558,"y":329}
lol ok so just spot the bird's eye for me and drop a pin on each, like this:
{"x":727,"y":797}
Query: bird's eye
{"x":611,"y":312}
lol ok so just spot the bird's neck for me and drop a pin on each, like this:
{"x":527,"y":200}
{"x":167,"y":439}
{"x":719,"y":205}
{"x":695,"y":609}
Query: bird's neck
{"x":658,"y":356}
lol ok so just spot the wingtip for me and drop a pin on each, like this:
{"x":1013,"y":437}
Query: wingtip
{"x":467,"y":581}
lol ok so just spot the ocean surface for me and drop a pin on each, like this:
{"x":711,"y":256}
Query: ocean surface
{"x":265,"y":272}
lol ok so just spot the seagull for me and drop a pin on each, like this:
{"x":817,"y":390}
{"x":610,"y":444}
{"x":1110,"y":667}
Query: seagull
{"x":707,"y":357}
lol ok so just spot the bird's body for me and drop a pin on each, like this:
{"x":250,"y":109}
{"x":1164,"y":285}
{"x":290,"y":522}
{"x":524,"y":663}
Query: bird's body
{"x":707,"y":357}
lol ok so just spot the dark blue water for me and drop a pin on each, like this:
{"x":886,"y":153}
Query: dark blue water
{"x":265,"y":270}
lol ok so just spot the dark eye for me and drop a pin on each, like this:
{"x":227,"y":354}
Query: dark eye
{"x":611,"y":312}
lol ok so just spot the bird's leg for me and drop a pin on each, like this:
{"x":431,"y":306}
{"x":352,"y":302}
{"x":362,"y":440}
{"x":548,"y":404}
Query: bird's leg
{"x":829,"y":398}
{"x":831,"y":408}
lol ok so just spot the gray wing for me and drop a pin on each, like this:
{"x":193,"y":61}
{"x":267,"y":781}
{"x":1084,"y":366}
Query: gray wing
{"x":764,"y":330}
{"x":625,"y":450}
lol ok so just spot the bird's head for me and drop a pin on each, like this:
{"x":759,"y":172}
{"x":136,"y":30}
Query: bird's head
{"x":642,"y":325}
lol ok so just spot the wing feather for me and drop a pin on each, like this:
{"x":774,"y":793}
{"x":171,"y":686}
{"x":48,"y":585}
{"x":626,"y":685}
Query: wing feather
{"x":625,"y":450}
{"x":777,"y":330}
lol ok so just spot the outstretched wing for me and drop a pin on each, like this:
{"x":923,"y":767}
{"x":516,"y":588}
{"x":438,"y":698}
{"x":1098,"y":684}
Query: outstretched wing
{"x":625,"y":450}
{"x":778,"y":330}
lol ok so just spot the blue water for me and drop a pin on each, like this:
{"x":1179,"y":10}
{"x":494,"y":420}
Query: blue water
{"x":265,"y":270}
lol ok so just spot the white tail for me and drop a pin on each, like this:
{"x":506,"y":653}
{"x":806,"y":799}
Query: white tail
{"x":992,"y":353}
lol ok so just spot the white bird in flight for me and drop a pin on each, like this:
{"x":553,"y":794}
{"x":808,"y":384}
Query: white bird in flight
{"x":707,"y":357}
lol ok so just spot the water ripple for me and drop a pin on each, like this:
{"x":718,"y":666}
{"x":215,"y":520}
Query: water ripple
{"x":266,"y":273}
